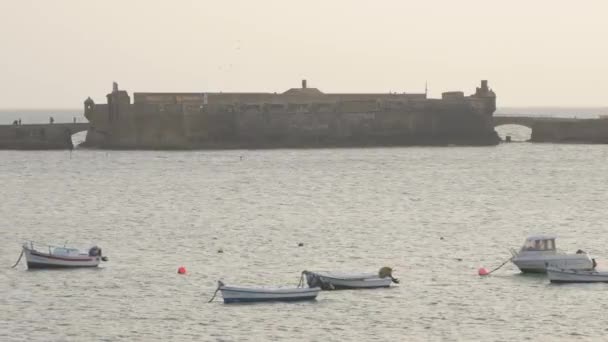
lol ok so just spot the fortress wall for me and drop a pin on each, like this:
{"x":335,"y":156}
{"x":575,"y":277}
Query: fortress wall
{"x":43,"y":136}
{"x":288,"y":126}
{"x":395,"y":122}
{"x":226,"y":98}
{"x":43,"y":131}
{"x":8,"y":132}
{"x":279,"y":98}
{"x":281,"y":126}
{"x":137,"y":125}
{"x":333,"y":126}
{"x":257,"y":98}
{"x":123,"y":124}
{"x":583,"y":131}
{"x":482,"y":105}
{"x":169,"y":98}
{"x":195,"y":124}
{"x":155,"y":125}
{"x":358,"y":106}
{"x":298,"y":117}
{"x":98,"y":115}
{"x":375,"y":97}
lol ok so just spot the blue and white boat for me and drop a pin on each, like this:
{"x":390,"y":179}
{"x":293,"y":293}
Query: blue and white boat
{"x":48,"y":256}
{"x":233,"y":294}
{"x":560,"y":275}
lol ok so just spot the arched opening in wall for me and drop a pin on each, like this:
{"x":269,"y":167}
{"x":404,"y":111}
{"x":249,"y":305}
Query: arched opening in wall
{"x":517,"y":133}
{"x":78,"y":138}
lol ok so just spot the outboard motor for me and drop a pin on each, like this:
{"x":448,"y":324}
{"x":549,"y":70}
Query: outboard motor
{"x":387,"y":272}
{"x":314,"y":280}
{"x":95,"y":251}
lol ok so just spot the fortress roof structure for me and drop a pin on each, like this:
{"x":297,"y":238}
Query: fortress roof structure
{"x":303,"y":91}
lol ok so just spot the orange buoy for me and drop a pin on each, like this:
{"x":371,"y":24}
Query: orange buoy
{"x":483,"y":271}
{"x":181,"y":270}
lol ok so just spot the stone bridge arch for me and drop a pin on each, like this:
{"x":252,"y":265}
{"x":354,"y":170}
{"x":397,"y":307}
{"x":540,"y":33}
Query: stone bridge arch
{"x":76,"y":132}
{"x":527,"y":122}
{"x":514,"y":120}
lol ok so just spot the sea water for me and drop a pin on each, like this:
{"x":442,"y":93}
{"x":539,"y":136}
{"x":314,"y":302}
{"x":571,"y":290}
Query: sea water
{"x":434,"y":214}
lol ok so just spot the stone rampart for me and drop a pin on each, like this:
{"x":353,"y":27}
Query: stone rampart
{"x":39,"y":136}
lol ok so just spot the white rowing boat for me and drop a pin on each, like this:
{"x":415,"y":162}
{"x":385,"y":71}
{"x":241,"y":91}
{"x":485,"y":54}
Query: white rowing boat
{"x":560,"y":275}
{"x":340,"y":281}
{"x":48,"y":256}
{"x":233,"y":294}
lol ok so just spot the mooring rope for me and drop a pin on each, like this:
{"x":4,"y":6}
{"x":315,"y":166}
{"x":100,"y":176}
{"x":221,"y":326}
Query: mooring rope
{"x":501,"y":265}
{"x":214,"y":294}
{"x":17,"y":263}
{"x":219,"y":286}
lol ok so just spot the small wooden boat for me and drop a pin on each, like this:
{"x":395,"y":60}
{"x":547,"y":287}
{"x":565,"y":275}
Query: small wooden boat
{"x":560,"y":275}
{"x":341,"y":281}
{"x":48,"y":256}
{"x":538,"y":250}
{"x":234,"y":294}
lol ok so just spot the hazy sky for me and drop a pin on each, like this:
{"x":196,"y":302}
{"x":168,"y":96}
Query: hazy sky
{"x":533,"y":52}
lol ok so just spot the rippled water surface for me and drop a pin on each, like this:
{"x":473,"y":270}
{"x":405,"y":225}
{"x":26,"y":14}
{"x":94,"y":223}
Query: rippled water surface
{"x":434,"y":214}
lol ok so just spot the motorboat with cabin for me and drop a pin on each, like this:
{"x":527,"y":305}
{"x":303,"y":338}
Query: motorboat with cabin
{"x":539,"y":251}
{"x":49,"y":256}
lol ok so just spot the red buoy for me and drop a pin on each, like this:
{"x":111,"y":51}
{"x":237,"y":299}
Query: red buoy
{"x":181,"y":270}
{"x":483,"y":271}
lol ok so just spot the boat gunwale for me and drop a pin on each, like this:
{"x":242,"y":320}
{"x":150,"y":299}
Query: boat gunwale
{"x":559,"y":281}
{"x":63,"y":258}
{"x":371,"y":278}
{"x":289,"y":291}
{"x":577,"y":272}
{"x":38,"y":265}
{"x":244,"y":300}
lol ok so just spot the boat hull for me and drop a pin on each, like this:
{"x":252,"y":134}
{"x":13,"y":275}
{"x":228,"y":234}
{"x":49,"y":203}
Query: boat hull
{"x":38,"y":260}
{"x":250,"y":295}
{"x":561,"y":276}
{"x":347,"y":282}
{"x":538,"y":264}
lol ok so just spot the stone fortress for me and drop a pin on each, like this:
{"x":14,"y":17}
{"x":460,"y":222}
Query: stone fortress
{"x":299,"y":117}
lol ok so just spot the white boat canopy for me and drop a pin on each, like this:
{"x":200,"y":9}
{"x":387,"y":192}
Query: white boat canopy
{"x":539,"y":243}
{"x":542,"y":237}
